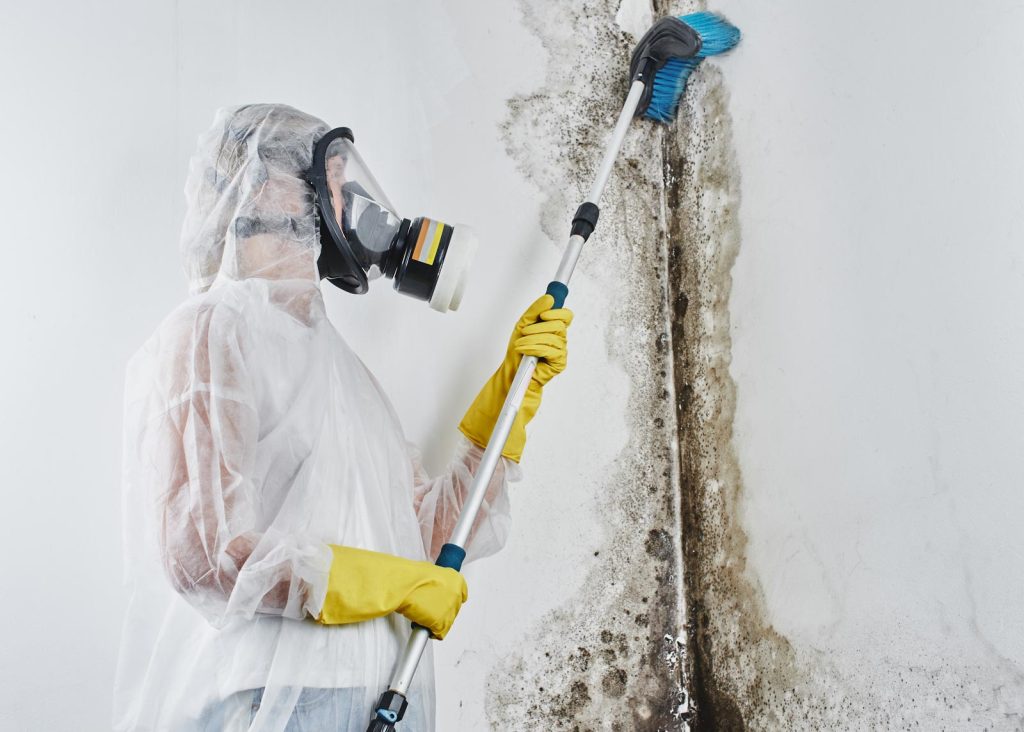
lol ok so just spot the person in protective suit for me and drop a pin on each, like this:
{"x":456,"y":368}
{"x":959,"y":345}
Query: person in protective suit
{"x":278,"y":526}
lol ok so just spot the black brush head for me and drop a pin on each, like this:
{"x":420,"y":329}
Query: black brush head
{"x":667,"y":39}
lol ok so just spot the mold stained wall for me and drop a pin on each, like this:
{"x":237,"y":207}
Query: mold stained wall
{"x":846,"y":381}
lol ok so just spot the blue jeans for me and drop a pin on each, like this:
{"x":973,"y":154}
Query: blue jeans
{"x":317,"y":710}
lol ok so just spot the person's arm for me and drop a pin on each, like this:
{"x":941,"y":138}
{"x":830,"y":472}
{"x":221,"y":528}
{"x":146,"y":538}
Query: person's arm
{"x":202,"y":442}
{"x":439,"y":500}
{"x":222,"y":555}
{"x":542,"y":332}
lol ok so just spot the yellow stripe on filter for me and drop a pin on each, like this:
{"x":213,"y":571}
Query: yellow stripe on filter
{"x":436,"y":241}
{"x":429,"y":241}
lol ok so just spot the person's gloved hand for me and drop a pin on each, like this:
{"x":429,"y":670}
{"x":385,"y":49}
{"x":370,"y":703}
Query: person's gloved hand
{"x":364,"y":585}
{"x":540,"y":332}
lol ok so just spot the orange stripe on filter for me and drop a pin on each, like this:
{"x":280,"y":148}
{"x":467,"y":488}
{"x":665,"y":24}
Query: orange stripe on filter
{"x":417,"y":252}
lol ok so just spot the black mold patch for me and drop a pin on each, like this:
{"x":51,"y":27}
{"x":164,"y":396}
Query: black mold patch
{"x":627,"y":653}
{"x":618,"y":656}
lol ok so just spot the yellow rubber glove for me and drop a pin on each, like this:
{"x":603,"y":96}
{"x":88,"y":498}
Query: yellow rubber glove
{"x":540,"y":332}
{"x":364,"y":585}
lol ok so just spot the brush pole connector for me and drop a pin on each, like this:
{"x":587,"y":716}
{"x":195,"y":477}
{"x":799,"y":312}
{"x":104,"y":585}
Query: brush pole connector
{"x":585,"y":220}
{"x":390,"y":709}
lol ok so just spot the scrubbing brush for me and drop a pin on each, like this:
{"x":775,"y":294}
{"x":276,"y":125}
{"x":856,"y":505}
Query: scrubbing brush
{"x":669,"y":51}
{"x":659,"y":68}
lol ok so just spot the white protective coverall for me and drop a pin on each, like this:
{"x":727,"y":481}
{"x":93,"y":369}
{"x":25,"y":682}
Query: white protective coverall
{"x":253,"y":438}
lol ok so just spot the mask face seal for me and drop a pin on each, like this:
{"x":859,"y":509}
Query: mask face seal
{"x":363,"y":238}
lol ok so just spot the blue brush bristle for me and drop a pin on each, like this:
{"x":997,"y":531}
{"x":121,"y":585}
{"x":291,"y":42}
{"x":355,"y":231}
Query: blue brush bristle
{"x":717,"y":36}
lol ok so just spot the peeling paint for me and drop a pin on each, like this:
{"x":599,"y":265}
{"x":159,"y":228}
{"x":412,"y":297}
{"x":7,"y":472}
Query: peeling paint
{"x":634,"y":16}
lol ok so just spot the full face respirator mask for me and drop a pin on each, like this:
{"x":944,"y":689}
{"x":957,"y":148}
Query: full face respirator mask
{"x":363,"y":238}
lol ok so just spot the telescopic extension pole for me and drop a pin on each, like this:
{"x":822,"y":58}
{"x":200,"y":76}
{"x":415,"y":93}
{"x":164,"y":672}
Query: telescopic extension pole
{"x":392,"y":704}
{"x":661,"y":62}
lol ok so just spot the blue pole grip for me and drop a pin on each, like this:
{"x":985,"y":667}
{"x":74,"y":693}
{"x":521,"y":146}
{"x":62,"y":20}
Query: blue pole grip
{"x":452,"y":555}
{"x":559,"y":291}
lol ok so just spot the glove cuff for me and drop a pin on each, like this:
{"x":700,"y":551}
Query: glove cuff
{"x":478,"y":423}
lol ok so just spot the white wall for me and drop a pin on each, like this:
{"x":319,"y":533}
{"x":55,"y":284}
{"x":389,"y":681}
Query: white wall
{"x":91,"y":197}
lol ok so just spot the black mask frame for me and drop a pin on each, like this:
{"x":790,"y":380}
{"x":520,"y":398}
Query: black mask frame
{"x":337,"y":262}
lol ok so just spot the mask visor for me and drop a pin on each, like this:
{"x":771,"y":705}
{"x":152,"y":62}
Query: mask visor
{"x":358,"y":222}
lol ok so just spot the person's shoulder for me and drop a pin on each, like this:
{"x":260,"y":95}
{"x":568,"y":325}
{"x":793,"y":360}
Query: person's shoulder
{"x":218,"y":315}
{"x":223,"y":309}
{"x":203,"y":333}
